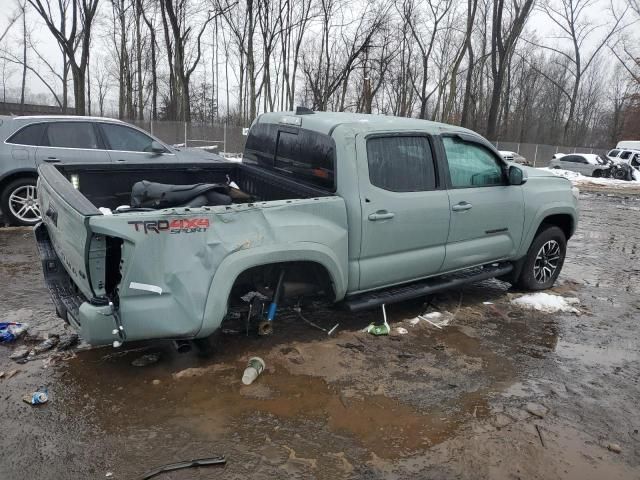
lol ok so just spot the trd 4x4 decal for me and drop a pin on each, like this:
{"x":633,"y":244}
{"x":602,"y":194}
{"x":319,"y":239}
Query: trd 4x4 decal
{"x":183,"y":225}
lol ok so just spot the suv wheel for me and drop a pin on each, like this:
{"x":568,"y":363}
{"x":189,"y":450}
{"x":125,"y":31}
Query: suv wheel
{"x":19,"y":202}
{"x":544,"y":260}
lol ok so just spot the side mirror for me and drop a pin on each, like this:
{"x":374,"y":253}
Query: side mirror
{"x":156,"y":147}
{"x":516,"y":176}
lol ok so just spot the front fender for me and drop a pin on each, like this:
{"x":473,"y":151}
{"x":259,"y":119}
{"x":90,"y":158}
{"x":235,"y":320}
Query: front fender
{"x":544,"y":211}
{"x":236,"y":263}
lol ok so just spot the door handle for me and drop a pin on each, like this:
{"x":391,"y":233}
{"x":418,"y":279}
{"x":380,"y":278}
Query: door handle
{"x":381,"y":215}
{"x":462,"y":206}
{"x":121,"y":160}
{"x":52,"y":159}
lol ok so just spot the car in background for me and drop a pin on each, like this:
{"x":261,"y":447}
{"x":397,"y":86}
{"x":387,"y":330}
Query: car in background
{"x":514,"y":157}
{"x":588,"y":164}
{"x":30,"y":141}
{"x":626,"y":155}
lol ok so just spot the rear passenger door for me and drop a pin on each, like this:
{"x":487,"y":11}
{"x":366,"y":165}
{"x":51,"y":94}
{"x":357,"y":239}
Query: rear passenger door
{"x":71,"y":142}
{"x":487,"y":214}
{"x":405,"y":209}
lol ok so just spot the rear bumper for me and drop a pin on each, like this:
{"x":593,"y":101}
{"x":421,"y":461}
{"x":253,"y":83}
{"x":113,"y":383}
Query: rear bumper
{"x":91,"y":318}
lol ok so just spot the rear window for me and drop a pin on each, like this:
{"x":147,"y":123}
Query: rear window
{"x":72,"y":135}
{"x":401,"y":163}
{"x":29,"y":135}
{"x":302,"y":154}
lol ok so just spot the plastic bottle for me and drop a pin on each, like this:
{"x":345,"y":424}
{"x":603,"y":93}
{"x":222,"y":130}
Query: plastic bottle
{"x":254,"y":368}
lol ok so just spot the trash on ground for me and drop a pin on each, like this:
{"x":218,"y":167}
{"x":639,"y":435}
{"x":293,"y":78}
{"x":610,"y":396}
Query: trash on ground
{"x":36,"y":398}
{"x":255,"y":366}
{"x":146,"y":360}
{"x":48,"y":344}
{"x":10,"y":331}
{"x":548,"y":303}
{"x":11,"y":373}
{"x":401,"y":330}
{"x":614,"y":447}
{"x":536,"y":409}
{"x":433,"y":319}
{"x":67,"y":341}
{"x":156,"y":382}
{"x":487,"y":303}
{"x":201,"y":462}
{"x":377,"y":330}
{"x":19,"y":353}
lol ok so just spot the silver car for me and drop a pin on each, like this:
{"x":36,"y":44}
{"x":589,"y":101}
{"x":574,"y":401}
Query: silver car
{"x":588,"y":164}
{"x":30,"y":141}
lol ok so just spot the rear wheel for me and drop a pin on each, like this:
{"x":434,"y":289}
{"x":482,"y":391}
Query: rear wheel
{"x":19,"y":202}
{"x":544,"y":260}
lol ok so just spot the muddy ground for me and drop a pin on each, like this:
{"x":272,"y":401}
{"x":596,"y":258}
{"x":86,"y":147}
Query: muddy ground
{"x":431,"y":403}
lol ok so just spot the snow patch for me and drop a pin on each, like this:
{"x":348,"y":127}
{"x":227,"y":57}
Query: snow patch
{"x":401,"y":330}
{"x":548,"y":303}
{"x":579,"y":179}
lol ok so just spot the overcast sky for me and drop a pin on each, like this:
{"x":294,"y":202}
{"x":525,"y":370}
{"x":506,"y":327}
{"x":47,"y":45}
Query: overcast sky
{"x":538,"y":24}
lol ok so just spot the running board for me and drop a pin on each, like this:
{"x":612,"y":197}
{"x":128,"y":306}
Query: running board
{"x":365,"y":301}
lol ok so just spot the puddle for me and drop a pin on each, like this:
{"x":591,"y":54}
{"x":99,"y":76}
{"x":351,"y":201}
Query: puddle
{"x":593,"y":355}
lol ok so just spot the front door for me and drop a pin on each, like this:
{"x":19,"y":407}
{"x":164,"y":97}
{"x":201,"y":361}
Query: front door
{"x":130,"y":145}
{"x":487,"y":214}
{"x":405,"y":209}
{"x":71,"y":142}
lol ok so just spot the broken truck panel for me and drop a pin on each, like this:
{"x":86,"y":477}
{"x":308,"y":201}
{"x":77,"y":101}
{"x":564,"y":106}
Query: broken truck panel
{"x":180,"y":259}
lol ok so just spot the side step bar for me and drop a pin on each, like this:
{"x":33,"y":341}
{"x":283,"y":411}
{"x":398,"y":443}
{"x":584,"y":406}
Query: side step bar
{"x":422,"y":288}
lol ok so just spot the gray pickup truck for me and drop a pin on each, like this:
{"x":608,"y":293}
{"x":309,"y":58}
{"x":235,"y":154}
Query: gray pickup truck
{"x":362,"y":210}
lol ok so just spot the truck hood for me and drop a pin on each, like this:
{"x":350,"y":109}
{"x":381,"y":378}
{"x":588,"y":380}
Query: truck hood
{"x":536,"y":172}
{"x":186,"y":154}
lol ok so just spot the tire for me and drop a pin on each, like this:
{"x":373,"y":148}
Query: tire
{"x":597,"y":173}
{"x":539,"y":271}
{"x":19,"y":202}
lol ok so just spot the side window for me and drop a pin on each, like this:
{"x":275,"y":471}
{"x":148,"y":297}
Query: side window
{"x":71,"y":135}
{"x":30,"y":135}
{"x":471,"y":165}
{"x":626,"y":154}
{"x":613,"y":153}
{"x":119,"y":137}
{"x":569,"y":158}
{"x":582,"y":160}
{"x":401,"y":163}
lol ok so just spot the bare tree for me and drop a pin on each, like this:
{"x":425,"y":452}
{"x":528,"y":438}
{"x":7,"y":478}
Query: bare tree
{"x":570,"y":18}
{"x":82,"y":17}
{"x":506,"y":29}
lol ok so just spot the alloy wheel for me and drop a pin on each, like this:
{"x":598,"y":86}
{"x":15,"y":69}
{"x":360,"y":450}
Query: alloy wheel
{"x":547,"y":261}
{"x":23,"y":203}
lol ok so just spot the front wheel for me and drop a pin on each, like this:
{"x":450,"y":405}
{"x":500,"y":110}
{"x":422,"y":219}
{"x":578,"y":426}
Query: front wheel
{"x":544,"y":260}
{"x":19,"y":202}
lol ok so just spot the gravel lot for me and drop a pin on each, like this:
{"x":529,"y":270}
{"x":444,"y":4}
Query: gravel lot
{"x":450,"y":403}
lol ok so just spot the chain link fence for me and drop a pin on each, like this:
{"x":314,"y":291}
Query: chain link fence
{"x":230,"y":139}
{"x":217,"y":137}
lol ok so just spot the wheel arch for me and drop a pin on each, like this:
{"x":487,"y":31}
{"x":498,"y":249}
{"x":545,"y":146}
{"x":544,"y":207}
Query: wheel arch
{"x":564,"y":221}
{"x":15,"y":175}
{"x":236,"y":264}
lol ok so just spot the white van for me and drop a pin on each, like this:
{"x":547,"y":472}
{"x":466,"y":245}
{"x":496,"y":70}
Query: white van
{"x":629,"y":145}
{"x":625,"y":155}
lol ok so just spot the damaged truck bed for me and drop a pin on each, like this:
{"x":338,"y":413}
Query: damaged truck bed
{"x":357,"y":209}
